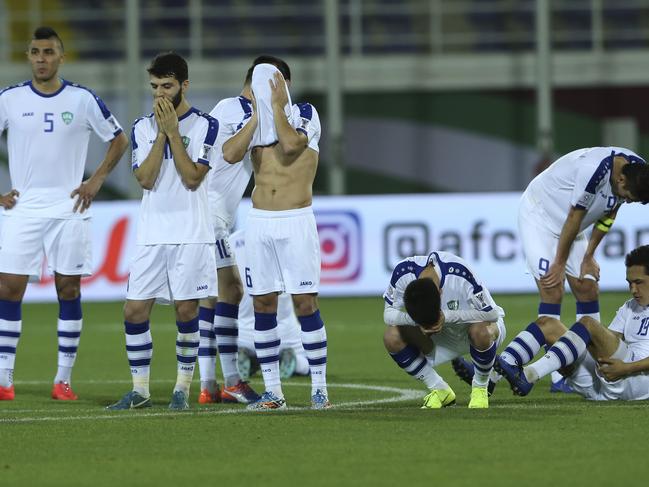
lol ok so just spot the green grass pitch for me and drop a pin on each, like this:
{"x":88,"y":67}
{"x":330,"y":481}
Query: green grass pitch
{"x":376,"y":436}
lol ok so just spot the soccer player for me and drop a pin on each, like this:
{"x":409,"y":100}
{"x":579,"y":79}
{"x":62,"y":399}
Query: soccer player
{"x":436,"y":309}
{"x":226,"y":184}
{"x":49,"y":121}
{"x":582,"y":188}
{"x":292,"y":357}
{"x":599,"y":363}
{"x":282,"y":245}
{"x":174,"y":260}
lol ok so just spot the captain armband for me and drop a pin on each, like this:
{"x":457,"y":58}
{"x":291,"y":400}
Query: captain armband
{"x":604,"y":224}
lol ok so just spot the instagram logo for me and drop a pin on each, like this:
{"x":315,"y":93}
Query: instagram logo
{"x":340,"y":245}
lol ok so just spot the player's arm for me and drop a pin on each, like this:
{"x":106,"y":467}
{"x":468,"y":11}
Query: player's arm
{"x":482,"y":308}
{"x":87,"y":191}
{"x":291,"y":141}
{"x":557,"y":270}
{"x":395,"y":317}
{"x":613,"y":369}
{"x":191,"y":173}
{"x":147,"y":172}
{"x":235,"y":148}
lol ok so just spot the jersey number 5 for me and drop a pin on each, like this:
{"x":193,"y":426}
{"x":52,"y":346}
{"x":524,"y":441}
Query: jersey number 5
{"x":48,"y":118}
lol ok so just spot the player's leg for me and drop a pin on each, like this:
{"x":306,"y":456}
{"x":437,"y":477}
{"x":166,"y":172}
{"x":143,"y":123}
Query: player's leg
{"x":226,"y":328}
{"x":409,"y":348}
{"x":210,"y":392}
{"x":263,"y":280}
{"x":247,"y":360}
{"x":292,"y":357}
{"x":542,"y":333}
{"x":267,"y":345}
{"x":147,"y":282}
{"x":68,"y":291}
{"x":314,"y":341}
{"x":483,"y":338}
{"x":12,"y":290}
{"x":190,"y":271}
{"x":68,"y":251}
{"x":21,"y":256}
{"x":585,"y":334}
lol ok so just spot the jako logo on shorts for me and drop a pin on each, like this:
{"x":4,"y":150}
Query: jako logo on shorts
{"x":340,"y":245}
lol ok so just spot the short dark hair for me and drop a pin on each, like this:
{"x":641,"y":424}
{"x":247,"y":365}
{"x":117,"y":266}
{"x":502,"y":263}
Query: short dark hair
{"x":422,"y":301}
{"x":267,"y":59}
{"x":45,"y":32}
{"x":169,"y":64}
{"x":637,"y":180}
{"x":638,"y":256}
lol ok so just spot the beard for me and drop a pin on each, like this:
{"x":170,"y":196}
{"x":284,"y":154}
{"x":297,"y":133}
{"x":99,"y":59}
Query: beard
{"x":175,"y":101}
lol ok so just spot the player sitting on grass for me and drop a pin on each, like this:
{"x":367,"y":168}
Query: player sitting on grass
{"x":447,"y":313}
{"x":599,"y":364}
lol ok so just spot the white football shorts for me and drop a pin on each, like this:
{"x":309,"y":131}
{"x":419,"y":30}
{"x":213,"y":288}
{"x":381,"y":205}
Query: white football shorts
{"x":540,"y":243}
{"x":172,"y":272}
{"x":453,"y":341}
{"x":65,"y":243}
{"x":588,"y":383}
{"x":282,"y":252}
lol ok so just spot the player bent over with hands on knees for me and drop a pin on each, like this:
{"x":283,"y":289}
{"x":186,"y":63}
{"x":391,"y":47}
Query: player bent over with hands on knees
{"x":601,"y":364}
{"x":447,"y":313}
{"x":49,"y":121}
{"x":174,"y":259}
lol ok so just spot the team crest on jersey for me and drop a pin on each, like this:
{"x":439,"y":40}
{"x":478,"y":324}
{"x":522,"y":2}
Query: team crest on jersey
{"x":454,"y":304}
{"x":186,"y":141}
{"x":67,"y":117}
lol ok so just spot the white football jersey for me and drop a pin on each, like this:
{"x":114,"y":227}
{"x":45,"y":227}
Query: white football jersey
{"x":306,"y":120}
{"x":581,"y":179}
{"x":632,"y":321}
{"x":227,"y":182}
{"x":48,"y":138}
{"x":460,"y":289}
{"x":170,"y":213}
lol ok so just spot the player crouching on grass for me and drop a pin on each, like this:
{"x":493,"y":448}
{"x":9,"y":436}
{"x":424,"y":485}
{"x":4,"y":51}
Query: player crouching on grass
{"x":601,"y":364}
{"x":447,"y":313}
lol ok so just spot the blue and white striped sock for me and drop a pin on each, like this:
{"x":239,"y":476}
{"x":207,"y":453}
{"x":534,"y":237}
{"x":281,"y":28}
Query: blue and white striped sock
{"x":139,"y":350}
{"x":483,"y":362}
{"x":550,"y":309}
{"x":565,"y":351}
{"x":69,"y":333}
{"x":524,"y":347}
{"x":588,"y":308}
{"x":413,"y":362}
{"x":314,"y":341}
{"x":267,"y":344}
{"x":207,"y":348}
{"x":10,"y":327}
{"x":227,"y":333}
{"x":187,"y":341}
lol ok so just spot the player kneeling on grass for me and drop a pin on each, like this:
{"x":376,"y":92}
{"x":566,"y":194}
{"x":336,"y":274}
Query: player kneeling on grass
{"x":601,"y":364}
{"x":447,"y":313}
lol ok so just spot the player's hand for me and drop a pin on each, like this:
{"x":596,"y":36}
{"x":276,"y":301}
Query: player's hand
{"x":589,"y":269}
{"x":555,"y":276}
{"x":278,"y":91}
{"x":8,"y":201}
{"x":85,"y":193}
{"x":613,"y":369}
{"x":167,"y":118}
{"x":436,"y":328}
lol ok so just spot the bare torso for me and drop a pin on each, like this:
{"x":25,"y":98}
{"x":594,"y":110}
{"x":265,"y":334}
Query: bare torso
{"x":282,"y":184}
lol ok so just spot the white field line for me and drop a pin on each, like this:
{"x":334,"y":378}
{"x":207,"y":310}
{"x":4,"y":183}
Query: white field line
{"x":399,"y":396}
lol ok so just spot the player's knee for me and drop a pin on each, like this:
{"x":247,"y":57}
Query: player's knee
{"x":546,"y":322}
{"x":265,"y":304}
{"x":186,"y":310}
{"x":68,"y":288}
{"x":589,"y":322}
{"x":586,"y":290}
{"x":234,"y":293}
{"x":208,"y":302}
{"x":306,"y":307}
{"x":135,"y":312}
{"x":392,"y":339}
{"x":480,"y":336}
